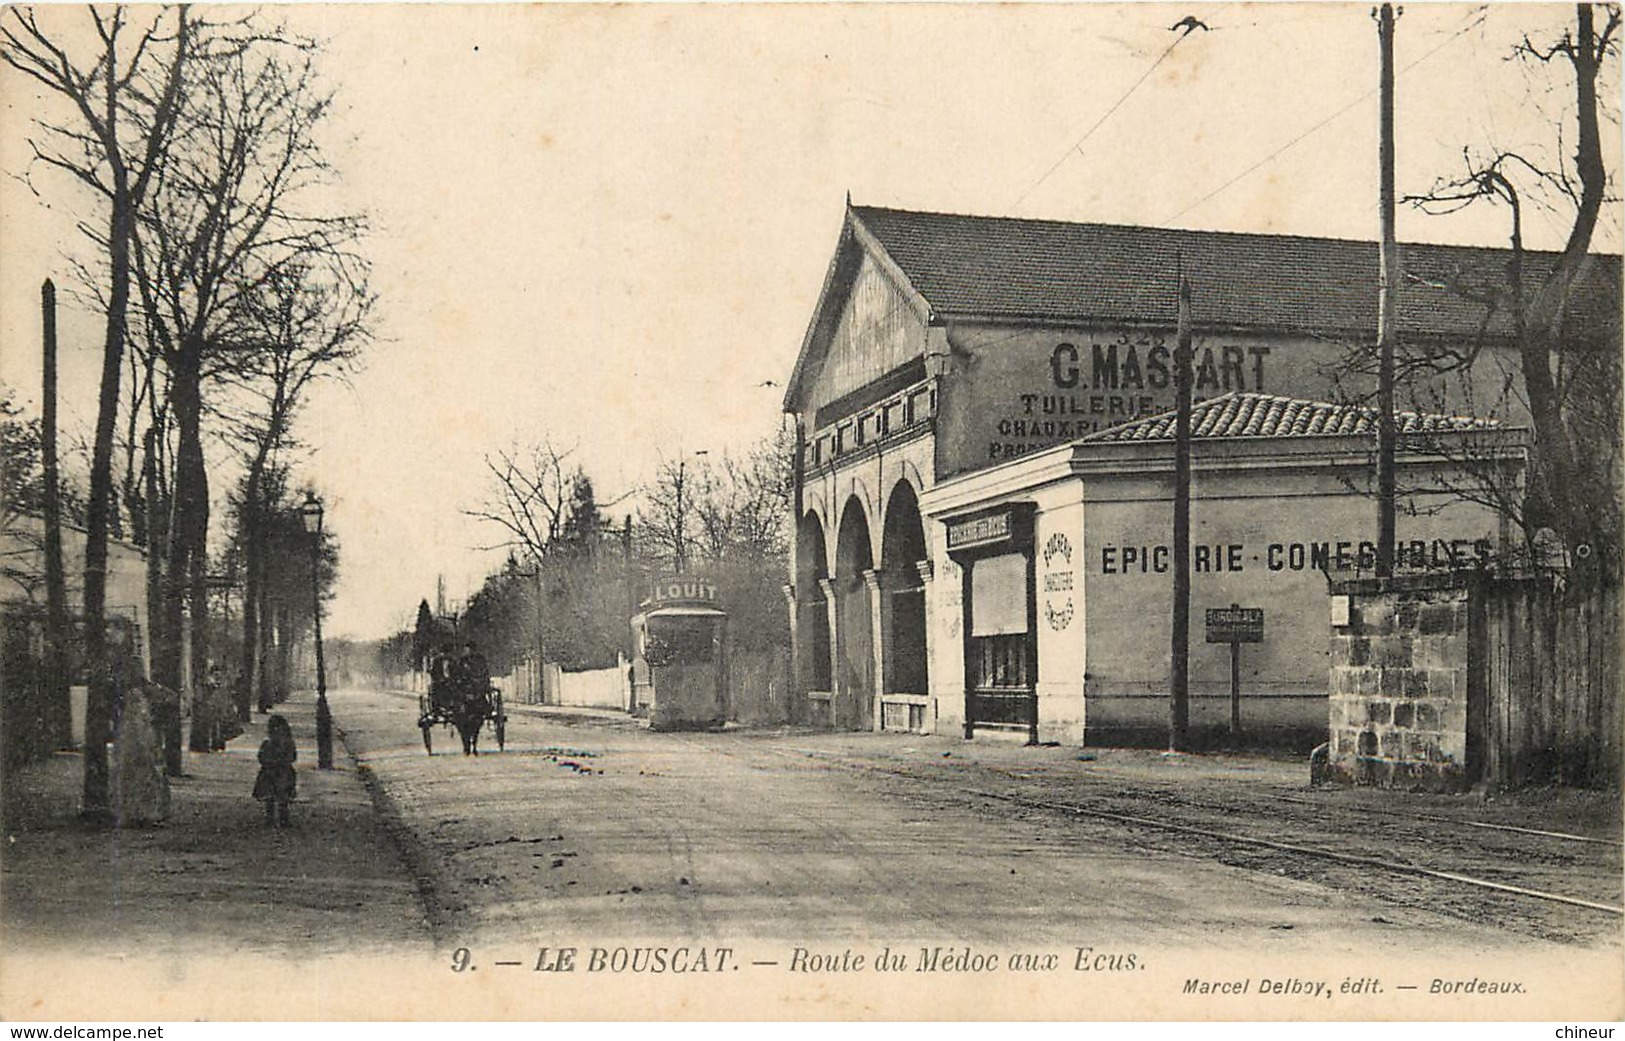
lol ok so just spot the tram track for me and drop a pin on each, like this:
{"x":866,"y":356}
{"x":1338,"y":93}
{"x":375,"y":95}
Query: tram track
{"x":1179,"y":823}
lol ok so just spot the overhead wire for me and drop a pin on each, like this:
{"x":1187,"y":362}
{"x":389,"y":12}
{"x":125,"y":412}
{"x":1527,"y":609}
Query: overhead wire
{"x":1077,"y":145}
{"x":1477,"y":17}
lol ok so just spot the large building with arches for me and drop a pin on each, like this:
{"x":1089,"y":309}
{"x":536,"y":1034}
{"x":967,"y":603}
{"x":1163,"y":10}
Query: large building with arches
{"x":981,"y":489}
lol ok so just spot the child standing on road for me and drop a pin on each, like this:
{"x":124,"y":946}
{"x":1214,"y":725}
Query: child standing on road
{"x":276,"y":784}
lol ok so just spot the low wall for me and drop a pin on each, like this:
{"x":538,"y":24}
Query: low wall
{"x":595,"y":688}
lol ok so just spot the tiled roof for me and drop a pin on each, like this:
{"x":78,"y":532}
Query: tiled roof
{"x":1266,"y":415}
{"x":1000,"y":267}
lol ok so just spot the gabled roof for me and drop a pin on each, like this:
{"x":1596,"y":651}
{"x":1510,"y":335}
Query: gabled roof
{"x":1002,"y":267}
{"x":1268,"y":415}
{"x":951,"y":266}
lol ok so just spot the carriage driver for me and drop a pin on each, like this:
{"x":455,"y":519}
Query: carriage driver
{"x":443,"y":691}
{"x":473,"y":675}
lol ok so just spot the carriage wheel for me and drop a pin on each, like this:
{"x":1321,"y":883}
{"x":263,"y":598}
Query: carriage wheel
{"x":501,"y":721}
{"x":428,"y":736}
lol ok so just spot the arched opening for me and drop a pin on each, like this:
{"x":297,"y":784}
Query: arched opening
{"x":812,"y":614}
{"x":854,"y":636}
{"x":902,"y":550}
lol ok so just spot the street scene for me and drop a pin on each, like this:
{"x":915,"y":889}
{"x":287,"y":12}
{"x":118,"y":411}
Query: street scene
{"x":751,"y":512}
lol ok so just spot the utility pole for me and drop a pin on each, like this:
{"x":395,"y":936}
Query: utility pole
{"x":541,"y":640}
{"x":58,"y":715}
{"x":1179,"y":670}
{"x":681,"y":537}
{"x":1388,"y":282}
{"x":678,"y":532}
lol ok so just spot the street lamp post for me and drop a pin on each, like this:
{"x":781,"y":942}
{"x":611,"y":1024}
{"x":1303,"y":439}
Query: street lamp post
{"x":311,"y":513}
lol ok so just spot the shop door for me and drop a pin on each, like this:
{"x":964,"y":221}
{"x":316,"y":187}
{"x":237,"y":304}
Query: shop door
{"x":1003,"y":664}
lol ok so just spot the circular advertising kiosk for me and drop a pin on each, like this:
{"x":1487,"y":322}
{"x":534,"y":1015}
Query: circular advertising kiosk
{"x":680,"y":663}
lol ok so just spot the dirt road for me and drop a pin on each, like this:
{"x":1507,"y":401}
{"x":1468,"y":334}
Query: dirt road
{"x":603,"y":831}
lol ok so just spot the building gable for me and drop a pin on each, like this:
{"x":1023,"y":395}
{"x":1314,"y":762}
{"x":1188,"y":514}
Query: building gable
{"x":869,"y":322}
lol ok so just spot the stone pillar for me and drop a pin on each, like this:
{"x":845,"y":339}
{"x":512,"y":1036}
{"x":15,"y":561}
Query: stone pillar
{"x":832,"y":606}
{"x":927,"y":571}
{"x":880,"y":623}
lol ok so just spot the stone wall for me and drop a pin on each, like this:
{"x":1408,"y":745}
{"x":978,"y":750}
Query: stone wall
{"x":1399,"y":676}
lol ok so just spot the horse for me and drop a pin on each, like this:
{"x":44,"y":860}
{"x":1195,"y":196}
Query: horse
{"x":468,"y":716}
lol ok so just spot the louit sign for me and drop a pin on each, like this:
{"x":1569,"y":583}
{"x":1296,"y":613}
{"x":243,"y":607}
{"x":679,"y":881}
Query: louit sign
{"x":682,"y":589}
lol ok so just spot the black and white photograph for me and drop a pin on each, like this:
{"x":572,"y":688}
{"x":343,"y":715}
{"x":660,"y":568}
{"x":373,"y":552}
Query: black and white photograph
{"x":811,"y":512}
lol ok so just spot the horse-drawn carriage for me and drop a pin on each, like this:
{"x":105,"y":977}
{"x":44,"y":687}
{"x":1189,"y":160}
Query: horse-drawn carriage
{"x":466,"y":710}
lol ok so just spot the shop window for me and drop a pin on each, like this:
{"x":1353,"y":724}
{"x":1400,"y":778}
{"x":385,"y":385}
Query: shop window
{"x":999,"y":622}
{"x":1001,"y":662}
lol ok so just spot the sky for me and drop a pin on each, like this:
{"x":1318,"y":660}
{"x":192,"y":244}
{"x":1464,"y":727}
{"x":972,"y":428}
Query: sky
{"x":608,"y":225}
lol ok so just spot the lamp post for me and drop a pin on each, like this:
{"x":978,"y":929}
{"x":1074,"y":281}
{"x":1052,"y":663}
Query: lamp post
{"x":311,"y":513}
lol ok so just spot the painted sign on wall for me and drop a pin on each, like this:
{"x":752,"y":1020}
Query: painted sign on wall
{"x":1329,"y":555}
{"x":1097,"y":383}
{"x":1016,"y":391}
{"x":1057,"y":582}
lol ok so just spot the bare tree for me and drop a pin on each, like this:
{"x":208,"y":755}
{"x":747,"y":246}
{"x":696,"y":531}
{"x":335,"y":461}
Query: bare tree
{"x":1566,"y":376}
{"x":121,"y":80}
{"x":530,"y":497}
{"x":671,"y":529}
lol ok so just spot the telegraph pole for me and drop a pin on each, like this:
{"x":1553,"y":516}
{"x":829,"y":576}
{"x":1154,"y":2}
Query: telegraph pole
{"x":1388,"y":277}
{"x":1179,"y":707}
{"x":58,"y":715}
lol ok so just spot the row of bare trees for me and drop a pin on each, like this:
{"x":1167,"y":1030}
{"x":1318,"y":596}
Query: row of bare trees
{"x":575,"y":570}
{"x":187,"y":144}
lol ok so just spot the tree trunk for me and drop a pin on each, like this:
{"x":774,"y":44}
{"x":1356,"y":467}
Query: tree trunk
{"x":99,"y":703}
{"x":264,"y":640}
{"x":284,"y":645}
{"x":188,"y":539}
{"x":160,"y":633}
{"x":249,"y":663}
{"x":254,"y":535}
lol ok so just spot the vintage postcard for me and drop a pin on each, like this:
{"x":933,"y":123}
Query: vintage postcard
{"x":811,"y":512}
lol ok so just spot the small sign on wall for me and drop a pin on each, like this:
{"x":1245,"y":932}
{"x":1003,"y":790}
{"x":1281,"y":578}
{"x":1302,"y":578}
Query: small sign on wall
{"x":1235,"y":624}
{"x":1340,"y":610}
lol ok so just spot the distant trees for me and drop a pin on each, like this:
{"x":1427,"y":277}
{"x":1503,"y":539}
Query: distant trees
{"x":730,"y":516}
{"x":426,"y":636}
{"x":574,"y":576}
{"x":564,"y":590}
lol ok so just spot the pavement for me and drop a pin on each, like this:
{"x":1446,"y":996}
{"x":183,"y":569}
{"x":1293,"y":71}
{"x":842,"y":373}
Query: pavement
{"x":214,"y":875}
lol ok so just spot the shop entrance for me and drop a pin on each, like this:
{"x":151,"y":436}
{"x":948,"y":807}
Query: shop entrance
{"x":995,"y":551}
